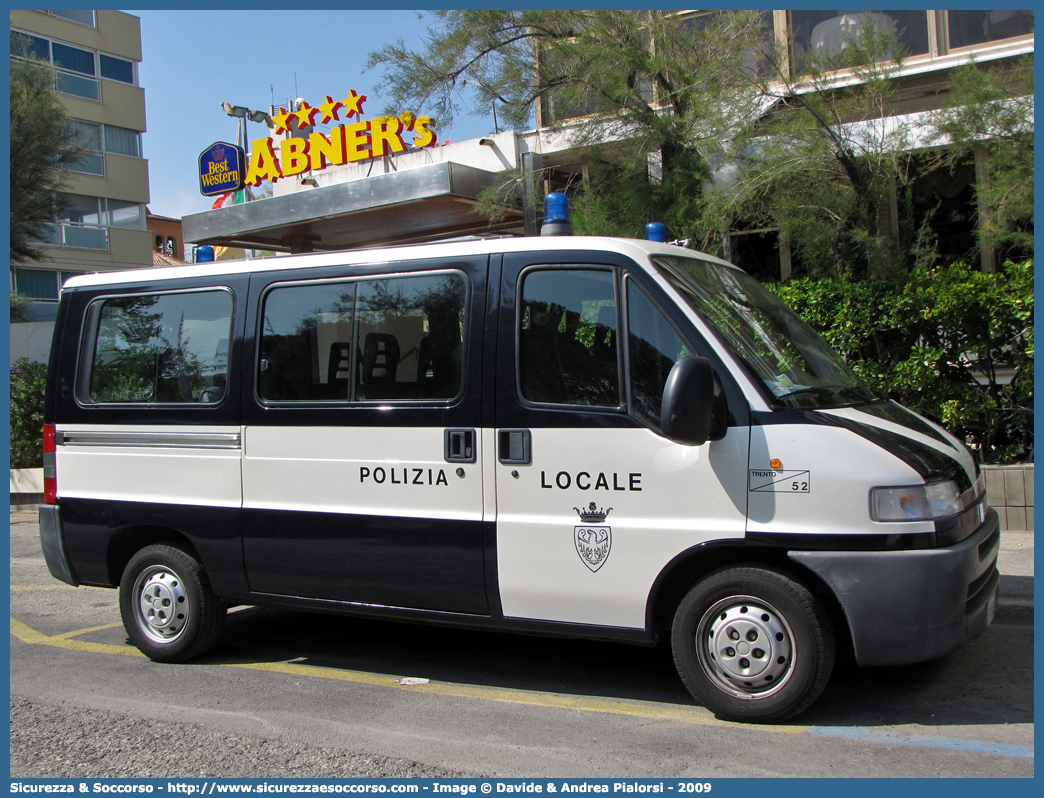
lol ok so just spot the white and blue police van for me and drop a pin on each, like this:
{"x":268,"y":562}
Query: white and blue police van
{"x":592,"y":437}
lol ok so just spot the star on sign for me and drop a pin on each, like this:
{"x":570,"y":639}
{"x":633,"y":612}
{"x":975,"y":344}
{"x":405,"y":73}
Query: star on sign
{"x":282,"y":121}
{"x":329,"y":109}
{"x":353,"y":104}
{"x":306,"y":115}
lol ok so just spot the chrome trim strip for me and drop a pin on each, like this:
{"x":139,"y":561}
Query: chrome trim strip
{"x":153,"y":440}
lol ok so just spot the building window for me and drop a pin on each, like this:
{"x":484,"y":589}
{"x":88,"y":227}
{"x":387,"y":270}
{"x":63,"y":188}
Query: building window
{"x":117,"y":69}
{"x":82,"y":16}
{"x":22,"y":44}
{"x":159,"y":243}
{"x":72,"y":59}
{"x":116,"y":141}
{"x":122,"y":141}
{"x":828,"y":33}
{"x":172,"y":247}
{"x":89,"y":135}
{"x":125,"y":214}
{"x":40,"y":284}
{"x":978,"y":27}
{"x":80,"y":223}
{"x":755,"y":62}
{"x":84,"y":222}
{"x":76,"y":69}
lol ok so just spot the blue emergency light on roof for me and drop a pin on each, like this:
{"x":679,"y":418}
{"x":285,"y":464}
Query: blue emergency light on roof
{"x":556,"y":216}
{"x":204,"y":254}
{"x":656,"y":231}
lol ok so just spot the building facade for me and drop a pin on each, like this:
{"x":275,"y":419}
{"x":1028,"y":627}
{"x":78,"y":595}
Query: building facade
{"x":95,"y":55}
{"x":167,"y":238}
{"x":425,"y":193}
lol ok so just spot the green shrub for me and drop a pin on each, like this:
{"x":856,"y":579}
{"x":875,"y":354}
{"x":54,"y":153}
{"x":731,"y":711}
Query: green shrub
{"x":27,"y":404}
{"x":951,"y":343}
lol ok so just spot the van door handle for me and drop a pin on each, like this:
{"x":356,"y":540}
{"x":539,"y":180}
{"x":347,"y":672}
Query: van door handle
{"x":459,"y":445}
{"x":515,"y":447}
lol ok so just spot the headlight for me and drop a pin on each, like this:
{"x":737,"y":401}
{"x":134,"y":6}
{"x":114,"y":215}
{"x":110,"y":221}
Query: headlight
{"x":917,"y":502}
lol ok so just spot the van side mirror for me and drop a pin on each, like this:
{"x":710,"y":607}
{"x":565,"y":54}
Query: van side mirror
{"x":693,"y":409}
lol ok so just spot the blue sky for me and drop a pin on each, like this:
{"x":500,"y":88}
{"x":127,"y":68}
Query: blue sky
{"x":194,"y":60}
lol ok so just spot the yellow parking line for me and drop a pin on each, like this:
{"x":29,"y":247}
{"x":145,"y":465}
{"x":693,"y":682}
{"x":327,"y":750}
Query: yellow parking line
{"x":29,"y":635}
{"x":78,"y":632}
{"x":693,"y":715}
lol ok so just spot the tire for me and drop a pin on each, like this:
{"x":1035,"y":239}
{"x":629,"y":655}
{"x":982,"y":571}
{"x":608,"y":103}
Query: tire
{"x":168,"y":609}
{"x":752,"y":644}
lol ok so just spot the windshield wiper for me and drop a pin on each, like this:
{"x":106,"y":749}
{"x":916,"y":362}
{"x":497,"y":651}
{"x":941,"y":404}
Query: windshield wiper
{"x":815,"y":390}
{"x":831,"y":394}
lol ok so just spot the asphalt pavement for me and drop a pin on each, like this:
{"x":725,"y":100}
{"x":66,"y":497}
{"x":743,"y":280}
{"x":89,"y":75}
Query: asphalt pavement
{"x":77,"y":713}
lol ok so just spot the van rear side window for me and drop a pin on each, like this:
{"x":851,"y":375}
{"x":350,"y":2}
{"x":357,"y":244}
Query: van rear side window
{"x":161,"y":348}
{"x":393,"y":339}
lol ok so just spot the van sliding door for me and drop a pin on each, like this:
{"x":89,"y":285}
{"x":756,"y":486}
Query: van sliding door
{"x":362,"y":473}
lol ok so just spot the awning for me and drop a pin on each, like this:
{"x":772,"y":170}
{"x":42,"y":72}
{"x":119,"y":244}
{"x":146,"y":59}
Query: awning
{"x":419,"y":204}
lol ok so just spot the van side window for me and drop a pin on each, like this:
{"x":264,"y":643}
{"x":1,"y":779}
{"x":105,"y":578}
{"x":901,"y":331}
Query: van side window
{"x":567,"y":338}
{"x":394,"y":339}
{"x":162,"y":348}
{"x":653,"y":348}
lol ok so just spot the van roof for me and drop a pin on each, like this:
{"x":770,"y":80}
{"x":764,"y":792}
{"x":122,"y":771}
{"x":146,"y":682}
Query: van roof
{"x":635,"y":248}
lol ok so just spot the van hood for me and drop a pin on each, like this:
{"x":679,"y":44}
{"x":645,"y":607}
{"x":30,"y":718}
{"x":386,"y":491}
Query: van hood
{"x":924,"y":446}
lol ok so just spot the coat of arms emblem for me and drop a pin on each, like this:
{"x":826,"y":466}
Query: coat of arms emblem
{"x":593,"y":537}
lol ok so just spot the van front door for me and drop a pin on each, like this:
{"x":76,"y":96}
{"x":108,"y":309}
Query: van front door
{"x":592,"y":502}
{"x":362,"y":478}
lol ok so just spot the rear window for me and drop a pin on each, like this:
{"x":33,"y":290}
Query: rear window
{"x":160,"y":348}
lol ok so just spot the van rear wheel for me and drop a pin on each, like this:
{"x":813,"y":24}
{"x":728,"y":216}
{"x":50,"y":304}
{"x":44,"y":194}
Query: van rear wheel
{"x":752,"y":644}
{"x":168,"y":608}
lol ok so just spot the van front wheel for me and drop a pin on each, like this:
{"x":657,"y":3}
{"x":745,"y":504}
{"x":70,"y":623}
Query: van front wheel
{"x":168,"y":609}
{"x":752,"y":644}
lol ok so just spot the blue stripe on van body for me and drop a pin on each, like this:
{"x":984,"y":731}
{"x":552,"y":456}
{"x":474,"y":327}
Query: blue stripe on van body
{"x":101,"y":535}
{"x":421,"y":563}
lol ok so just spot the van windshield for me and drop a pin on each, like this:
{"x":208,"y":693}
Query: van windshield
{"x":797,"y":368}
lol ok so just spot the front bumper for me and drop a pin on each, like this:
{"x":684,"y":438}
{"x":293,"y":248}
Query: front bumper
{"x":913,"y":605}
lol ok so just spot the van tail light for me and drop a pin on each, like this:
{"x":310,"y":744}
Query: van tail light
{"x":50,"y":472}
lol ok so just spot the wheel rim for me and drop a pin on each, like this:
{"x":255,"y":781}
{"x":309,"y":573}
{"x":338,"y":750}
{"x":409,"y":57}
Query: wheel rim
{"x":161,"y":607}
{"x":746,"y":647}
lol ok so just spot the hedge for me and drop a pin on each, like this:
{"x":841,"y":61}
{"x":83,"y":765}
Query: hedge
{"x":27,"y":400}
{"x":952,"y":343}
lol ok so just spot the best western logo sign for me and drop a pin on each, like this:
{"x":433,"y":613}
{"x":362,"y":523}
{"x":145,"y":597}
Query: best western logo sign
{"x":220,"y":169}
{"x":348,"y":143}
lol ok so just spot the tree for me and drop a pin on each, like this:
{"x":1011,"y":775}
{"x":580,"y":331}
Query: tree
{"x":826,"y":159}
{"x":20,"y":308}
{"x":43,"y":141}
{"x":632,"y":82}
{"x":990,"y":110}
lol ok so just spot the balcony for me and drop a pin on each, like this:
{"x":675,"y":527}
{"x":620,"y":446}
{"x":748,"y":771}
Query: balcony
{"x":75,"y":236}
